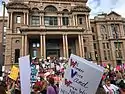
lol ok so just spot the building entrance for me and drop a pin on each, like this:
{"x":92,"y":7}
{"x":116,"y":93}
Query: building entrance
{"x":53,"y":53}
{"x":53,"y":48}
{"x":34,"y":48}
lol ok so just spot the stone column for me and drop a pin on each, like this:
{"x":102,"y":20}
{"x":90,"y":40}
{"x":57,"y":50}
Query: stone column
{"x":44,"y":45}
{"x":61,"y":23}
{"x":24,"y":18}
{"x":89,"y":24}
{"x":113,"y":53}
{"x":22,"y":48}
{"x":80,"y":49}
{"x":110,"y":29}
{"x":70,"y":21}
{"x":123,"y":50}
{"x":74,"y":20}
{"x":67,"y":49}
{"x":11,"y":20}
{"x":59,"y":20}
{"x":86,"y":22}
{"x":8,"y":20}
{"x":41,"y":45}
{"x":64,"y":47}
{"x":40,"y":20}
{"x":121,"y":30}
{"x":25,"y":45}
{"x":27,"y":18}
{"x":101,"y":51}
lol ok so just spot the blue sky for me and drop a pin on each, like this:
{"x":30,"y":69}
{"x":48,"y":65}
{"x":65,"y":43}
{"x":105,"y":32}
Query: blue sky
{"x":98,"y":6}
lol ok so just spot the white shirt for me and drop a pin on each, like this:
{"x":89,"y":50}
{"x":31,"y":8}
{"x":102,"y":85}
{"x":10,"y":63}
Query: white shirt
{"x":112,"y":88}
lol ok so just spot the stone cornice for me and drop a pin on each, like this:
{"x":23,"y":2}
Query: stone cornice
{"x":81,"y":9}
{"x":17,"y":5}
{"x":84,"y":1}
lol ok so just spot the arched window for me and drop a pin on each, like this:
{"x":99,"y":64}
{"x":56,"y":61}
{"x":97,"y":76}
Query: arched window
{"x":103,"y":29}
{"x":50,"y":8}
{"x":115,"y":30}
{"x":65,"y":10}
{"x":103,"y":32}
{"x":35,"y":9}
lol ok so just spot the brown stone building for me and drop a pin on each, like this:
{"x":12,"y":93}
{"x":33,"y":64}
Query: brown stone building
{"x":4,"y":35}
{"x":44,"y":28}
{"x":109,"y":38}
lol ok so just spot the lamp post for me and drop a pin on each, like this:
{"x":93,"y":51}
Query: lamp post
{"x":2,"y":42}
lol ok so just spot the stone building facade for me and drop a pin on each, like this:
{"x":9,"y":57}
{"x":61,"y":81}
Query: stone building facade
{"x":57,"y":28}
{"x":4,"y":35}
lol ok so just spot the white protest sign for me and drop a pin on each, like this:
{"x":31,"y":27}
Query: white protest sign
{"x":25,"y":71}
{"x":81,"y":77}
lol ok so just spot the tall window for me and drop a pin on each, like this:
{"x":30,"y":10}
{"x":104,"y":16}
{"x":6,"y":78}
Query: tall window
{"x":93,"y":37}
{"x":17,"y":55}
{"x":103,"y":45}
{"x":35,"y":20}
{"x":105,"y":55}
{"x":50,"y":20}
{"x":94,"y":46}
{"x":107,"y":45}
{"x":115,"y":30}
{"x":35,"y":53}
{"x":80,"y":20}
{"x":92,"y":29}
{"x":109,"y":56}
{"x":50,"y":8}
{"x":18,"y":30}
{"x":65,"y":20}
{"x":104,"y":33}
{"x":18,"y":19}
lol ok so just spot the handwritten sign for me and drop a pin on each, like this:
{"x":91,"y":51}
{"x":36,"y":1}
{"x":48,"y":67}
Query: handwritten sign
{"x":81,"y":77}
{"x":25,"y":71}
{"x":34,"y":73}
{"x":14,"y":73}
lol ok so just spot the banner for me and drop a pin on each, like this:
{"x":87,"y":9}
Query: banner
{"x":25,"y":71}
{"x":14,"y":73}
{"x":81,"y":77}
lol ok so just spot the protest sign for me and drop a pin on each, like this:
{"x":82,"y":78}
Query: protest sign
{"x":34,"y":73}
{"x":14,"y":73}
{"x":25,"y":71}
{"x":81,"y":77}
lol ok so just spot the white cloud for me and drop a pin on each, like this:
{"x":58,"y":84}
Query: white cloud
{"x":1,"y":8}
{"x":106,"y":6}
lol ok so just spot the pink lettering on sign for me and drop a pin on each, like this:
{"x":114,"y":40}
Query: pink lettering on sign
{"x":67,"y":83}
{"x":73,"y":63}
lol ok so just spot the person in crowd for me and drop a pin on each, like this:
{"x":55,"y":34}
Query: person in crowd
{"x":3,"y":87}
{"x":100,"y":89}
{"x":122,"y":87}
{"x":51,"y":89}
{"x":110,"y":88}
{"x":43,"y":85}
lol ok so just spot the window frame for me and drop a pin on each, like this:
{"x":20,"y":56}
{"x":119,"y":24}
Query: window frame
{"x":51,"y":20}
{"x":18,"y":19}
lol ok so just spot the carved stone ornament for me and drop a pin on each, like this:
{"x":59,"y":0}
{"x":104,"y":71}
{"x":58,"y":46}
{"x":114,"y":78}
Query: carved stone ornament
{"x":17,"y":5}
{"x":81,"y":9}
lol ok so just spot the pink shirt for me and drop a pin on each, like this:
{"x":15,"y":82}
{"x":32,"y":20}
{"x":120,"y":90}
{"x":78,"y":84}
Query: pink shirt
{"x":50,"y":90}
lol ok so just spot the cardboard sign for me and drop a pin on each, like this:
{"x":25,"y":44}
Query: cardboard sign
{"x":81,"y":77}
{"x":14,"y":73}
{"x":25,"y":71}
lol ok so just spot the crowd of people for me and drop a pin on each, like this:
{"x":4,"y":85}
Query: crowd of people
{"x":49,"y":73}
